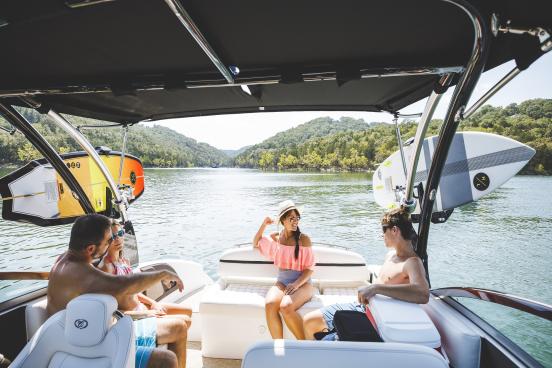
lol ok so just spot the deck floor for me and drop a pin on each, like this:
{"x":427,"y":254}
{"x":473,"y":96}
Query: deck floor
{"x":195,"y":360}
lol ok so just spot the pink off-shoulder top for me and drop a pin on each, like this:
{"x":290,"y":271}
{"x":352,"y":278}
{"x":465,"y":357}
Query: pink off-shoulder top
{"x":284,"y":256}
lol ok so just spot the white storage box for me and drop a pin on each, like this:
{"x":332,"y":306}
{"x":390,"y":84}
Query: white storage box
{"x":399,"y":321}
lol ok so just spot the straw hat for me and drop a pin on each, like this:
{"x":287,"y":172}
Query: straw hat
{"x":286,"y":206}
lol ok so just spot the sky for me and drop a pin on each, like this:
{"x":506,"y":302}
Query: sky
{"x":238,"y":130}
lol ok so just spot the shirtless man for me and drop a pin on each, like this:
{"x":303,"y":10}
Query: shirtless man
{"x":73,"y":274}
{"x":402,"y":275}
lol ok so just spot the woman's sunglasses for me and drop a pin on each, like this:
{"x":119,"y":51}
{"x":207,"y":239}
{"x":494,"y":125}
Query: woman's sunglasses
{"x":118,"y":234}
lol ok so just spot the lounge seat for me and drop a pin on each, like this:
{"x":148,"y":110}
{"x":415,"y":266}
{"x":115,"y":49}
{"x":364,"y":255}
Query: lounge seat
{"x":233,"y":309}
{"x":331,"y":354}
{"x":86,"y":334}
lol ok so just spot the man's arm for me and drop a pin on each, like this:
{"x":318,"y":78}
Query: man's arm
{"x":416,"y":291}
{"x":100,"y":282}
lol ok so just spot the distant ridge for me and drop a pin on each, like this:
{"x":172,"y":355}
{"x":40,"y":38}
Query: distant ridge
{"x":234,"y":153}
{"x":155,"y":146}
{"x":293,"y":138}
{"x":353,"y":145}
{"x":319,"y":127}
{"x":323,"y":144}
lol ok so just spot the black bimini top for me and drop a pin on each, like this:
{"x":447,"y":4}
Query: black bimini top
{"x":132,"y":60}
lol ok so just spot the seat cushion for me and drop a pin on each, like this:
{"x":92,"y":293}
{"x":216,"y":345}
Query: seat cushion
{"x":331,"y":354}
{"x":239,"y":306}
{"x":88,"y":318}
{"x":35,"y":316}
{"x":461,"y":344}
{"x":64,"y":360}
{"x":116,"y":345}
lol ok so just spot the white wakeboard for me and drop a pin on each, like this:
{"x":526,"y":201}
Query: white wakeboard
{"x":477,"y":164}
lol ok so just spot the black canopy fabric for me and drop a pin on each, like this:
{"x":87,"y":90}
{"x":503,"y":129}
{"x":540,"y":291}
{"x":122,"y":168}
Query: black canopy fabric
{"x":132,"y":60}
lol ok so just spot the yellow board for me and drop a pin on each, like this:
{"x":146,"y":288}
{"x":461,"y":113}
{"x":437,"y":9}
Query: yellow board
{"x":37,"y":194}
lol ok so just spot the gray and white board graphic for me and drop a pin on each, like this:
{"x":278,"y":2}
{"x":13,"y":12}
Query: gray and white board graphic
{"x":477,"y":163}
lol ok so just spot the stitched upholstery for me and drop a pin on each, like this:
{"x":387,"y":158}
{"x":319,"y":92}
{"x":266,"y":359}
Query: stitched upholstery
{"x":55,"y":344}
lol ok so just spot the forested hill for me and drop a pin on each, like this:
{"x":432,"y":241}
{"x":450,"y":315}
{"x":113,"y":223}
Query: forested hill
{"x":529,"y":122}
{"x":321,"y":144}
{"x":156,"y":146}
{"x":290,"y":139}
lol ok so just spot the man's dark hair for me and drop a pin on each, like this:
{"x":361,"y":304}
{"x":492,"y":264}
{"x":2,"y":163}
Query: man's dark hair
{"x":88,"y":229}
{"x":401,"y":219}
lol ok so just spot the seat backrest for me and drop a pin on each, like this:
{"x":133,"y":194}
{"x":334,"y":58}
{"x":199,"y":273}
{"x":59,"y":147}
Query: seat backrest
{"x":400,"y":321}
{"x":86,"y":334}
{"x":35,"y":316}
{"x":332,"y":264}
{"x":461,"y":344}
{"x":331,"y":354}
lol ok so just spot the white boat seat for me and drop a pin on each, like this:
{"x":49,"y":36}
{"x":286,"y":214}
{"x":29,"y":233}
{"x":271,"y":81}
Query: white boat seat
{"x":84,"y":335}
{"x":226,"y":309}
{"x":35,"y":316}
{"x":237,"y":301}
{"x":331,"y":354}
{"x":400,"y":321}
{"x":461,"y":344}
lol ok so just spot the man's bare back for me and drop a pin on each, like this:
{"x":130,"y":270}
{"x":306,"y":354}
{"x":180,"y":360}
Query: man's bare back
{"x":64,"y":283}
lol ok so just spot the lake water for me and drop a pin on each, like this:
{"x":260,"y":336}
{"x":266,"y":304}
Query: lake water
{"x":502,"y":242}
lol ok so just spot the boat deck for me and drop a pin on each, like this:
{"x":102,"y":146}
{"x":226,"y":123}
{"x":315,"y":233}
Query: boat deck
{"x":195,"y":360}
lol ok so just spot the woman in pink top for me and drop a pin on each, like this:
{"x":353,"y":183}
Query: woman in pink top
{"x":292,"y":253}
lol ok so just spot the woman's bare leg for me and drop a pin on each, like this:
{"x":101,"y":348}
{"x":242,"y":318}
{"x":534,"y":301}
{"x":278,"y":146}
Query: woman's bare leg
{"x":179,"y":311}
{"x":173,"y":308}
{"x":314,"y":322}
{"x":290,"y":304}
{"x":272,"y":310}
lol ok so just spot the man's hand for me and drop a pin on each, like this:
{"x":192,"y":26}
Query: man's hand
{"x":366,"y":292}
{"x":291,"y":288}
{"x":173,"y":277}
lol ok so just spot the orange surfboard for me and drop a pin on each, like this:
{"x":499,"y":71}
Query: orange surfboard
{"x":36,"y":193}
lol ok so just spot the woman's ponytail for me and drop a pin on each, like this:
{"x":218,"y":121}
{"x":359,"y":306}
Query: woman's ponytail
{"x":297,"y":235}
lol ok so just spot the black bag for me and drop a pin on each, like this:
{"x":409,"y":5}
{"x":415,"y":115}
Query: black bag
{"x":354,"y":326}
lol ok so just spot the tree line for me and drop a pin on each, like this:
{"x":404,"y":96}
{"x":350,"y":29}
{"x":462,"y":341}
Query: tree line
{"x":355,"y":149}
{"x":156,"y":146}
{"x":346,"y":144}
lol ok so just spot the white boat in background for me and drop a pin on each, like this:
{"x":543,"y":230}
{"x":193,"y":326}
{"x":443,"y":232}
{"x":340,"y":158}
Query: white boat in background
{"x":128,"y":62}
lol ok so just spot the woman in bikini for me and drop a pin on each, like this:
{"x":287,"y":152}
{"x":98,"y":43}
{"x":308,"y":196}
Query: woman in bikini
{"x":138,"y":304}
{"x":292,"y":253}
{"x":159,"y":323}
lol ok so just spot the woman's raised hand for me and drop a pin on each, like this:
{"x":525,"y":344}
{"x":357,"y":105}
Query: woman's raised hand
{"x":268,"y":221}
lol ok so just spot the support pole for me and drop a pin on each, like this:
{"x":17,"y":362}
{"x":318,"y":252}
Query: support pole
{"x":459,"y":99}
{"x":38,"y":141}
{"x":125,"y":134}
{"x":491,"y":92}
{"x":85,"y":144}
{"x":429,"y":109}
{"x":193,"y":29}
{"x":399,"y":140}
